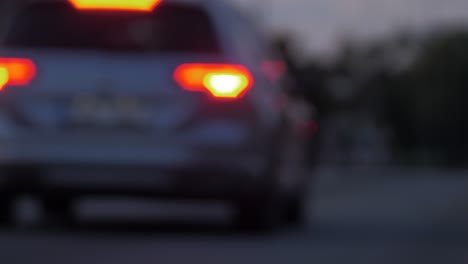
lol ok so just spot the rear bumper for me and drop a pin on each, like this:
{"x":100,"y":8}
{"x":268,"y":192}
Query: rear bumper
{"x":202,"y":183}
{"x":135,"y":150}
{"x":148,"y":170}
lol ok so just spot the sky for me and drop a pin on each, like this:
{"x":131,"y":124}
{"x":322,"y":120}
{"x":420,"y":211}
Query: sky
{"x":320,"y":23}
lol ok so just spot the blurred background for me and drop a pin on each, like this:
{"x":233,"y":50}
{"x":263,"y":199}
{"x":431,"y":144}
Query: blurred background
{"x":388,"y":76}
{"x":389,"y":79}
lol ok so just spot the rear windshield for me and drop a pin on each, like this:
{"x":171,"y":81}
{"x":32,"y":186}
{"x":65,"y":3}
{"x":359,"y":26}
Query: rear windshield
{"x":170,"y":27}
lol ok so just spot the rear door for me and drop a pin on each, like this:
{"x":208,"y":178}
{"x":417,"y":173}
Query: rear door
{"x":108,"y":65}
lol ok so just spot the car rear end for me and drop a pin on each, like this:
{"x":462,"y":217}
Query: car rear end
{"x":127,"y":102}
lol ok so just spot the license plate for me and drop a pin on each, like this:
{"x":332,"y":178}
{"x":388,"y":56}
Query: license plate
{"x":108,"y":112}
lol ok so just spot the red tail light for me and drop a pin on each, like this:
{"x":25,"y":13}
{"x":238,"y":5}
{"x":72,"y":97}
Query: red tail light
{"x":220,"y":80}
{"x":273,"y":70}
{"x":123,"y":5}
{"x":16,"y":72}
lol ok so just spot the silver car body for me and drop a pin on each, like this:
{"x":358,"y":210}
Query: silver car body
{"x":183,"y":130}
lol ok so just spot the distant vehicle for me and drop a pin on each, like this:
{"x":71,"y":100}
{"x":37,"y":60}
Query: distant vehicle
{"x":159,"y":99}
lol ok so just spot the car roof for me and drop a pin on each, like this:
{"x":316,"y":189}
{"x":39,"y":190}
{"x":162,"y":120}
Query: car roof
{"x":222,"y":13}
{"x":219,"y":5}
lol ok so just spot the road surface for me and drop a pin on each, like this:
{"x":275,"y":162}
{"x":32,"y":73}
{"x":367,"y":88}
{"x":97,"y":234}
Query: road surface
{"x":366,"y":216}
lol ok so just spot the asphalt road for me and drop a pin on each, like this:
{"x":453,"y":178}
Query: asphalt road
{"x":371,"y":216}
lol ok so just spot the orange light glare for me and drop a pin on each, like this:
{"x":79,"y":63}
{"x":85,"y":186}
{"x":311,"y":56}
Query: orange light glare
{"x":220,"y":80}
{"x":16,"y":72}
{"x":121,"y":5}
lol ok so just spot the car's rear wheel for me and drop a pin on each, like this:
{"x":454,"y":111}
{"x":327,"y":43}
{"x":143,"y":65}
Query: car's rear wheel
{"x":59,"y":210}
{"x":298,"y":201}
{"x":6,"y":210}
{"x":260,"y":214}
{"x":295,"y":213}
{"x":262,"y":210}
{"x":267,"y":211}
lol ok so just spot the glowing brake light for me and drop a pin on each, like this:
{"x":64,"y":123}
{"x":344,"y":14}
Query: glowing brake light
{"x":122,"y":5}
{"x":4,"y":77}
{"x":220,"y":80}
{"x":16,"y":72}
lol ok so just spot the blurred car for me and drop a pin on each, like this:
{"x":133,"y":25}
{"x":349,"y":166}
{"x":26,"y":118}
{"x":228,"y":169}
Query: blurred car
{"x":159,"y":99}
